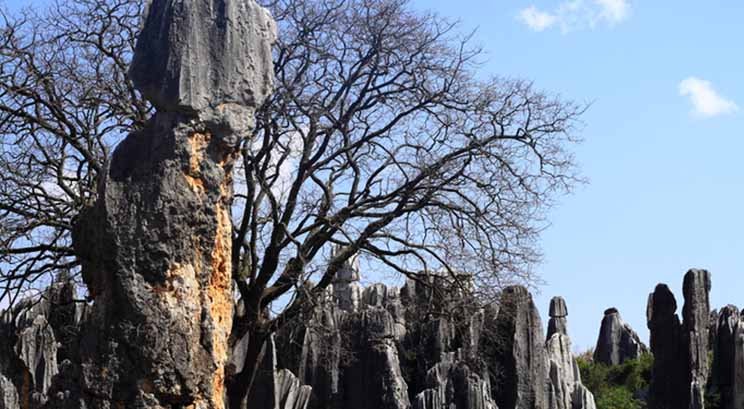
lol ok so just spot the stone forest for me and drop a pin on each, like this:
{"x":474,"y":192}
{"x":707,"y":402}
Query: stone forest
{"x":157,"y":328}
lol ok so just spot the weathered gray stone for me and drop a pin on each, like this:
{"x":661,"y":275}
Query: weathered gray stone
{"x":452,"y":385}
{"x":206,"y":58}
{"x":738,"y":376}
{"x":156,"y":247}
{"x":558,"y":313}
{"x":373,"y":378}
{"x":276,"y":388}
{"x":696,"y":316}
{"x":617,"y":342}
{"x":8,"y":394}
{"x":723,"y":370}
{"x":558,"y":308}
{"x":566,"y":389}
{"x":348,"y":295}
{"x":520,"y":353}
{"x":668,"y":389}
{"x":37,"y":336}
{"x":680,"y":372}
{"x":350,"y":270}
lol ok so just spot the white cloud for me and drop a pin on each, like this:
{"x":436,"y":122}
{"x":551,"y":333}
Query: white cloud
{"x":573,"y":15}
{"x":706,"y":102}
{"x":535,"y":19}
{"x":613,"y":11}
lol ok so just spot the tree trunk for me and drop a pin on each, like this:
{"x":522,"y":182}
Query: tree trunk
{"x":239,"y":385}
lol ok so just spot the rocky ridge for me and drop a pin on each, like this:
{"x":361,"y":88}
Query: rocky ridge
{"x":617,"y":342}
{"x":395,"y":349}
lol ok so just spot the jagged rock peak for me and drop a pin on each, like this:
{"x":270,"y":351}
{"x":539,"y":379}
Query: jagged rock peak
{"x":452,"y":384}
{"x":209,"y":58}
{"x":617,"y":341}
{"x":696,"y":316}
{"x":724,"y":369}
{"x":523,"y":384}
{"x":668,"y":382}
{"x":565,"y":388}
{"x":350,"y":270}
{"x":558,"y":307}
{"x":558,"y":313}
{"x":680,"y":372}
{"x":38,"y":337}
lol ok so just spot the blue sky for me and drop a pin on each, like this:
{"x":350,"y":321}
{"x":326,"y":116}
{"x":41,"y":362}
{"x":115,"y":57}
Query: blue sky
{"x":663,"y":142}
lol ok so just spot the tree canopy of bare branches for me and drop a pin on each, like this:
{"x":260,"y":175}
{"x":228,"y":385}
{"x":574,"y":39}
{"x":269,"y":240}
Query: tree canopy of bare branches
{"x":383,"y":138}
{"x":64,"y":102}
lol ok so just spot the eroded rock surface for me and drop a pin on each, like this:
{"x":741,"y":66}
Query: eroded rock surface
{"x":680,"y":349}
{"x":617,"y":342}
{"x":667,"y":385}
{"x":156,"y":246}
{"x":40,"y":342}
{"x":521,"y":353}
{"x":210,"y":59}
{"x":723,"y":373}
{"x":695,"y":326}
{"x":566,"y":390}
{"x":557,"y":313}
{"x":276,"y":388}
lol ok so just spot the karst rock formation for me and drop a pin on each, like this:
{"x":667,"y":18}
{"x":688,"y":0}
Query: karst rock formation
{"x":680,"y":348}
{"x":617,"y":342}
{"x":156,"y":246}
{"x":406,"y":348}
{"x":567,"y":391}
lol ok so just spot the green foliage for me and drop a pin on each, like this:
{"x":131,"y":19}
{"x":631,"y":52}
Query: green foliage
{"x":617,"y":387}
{"x":617,"y":398}
{"x":712,"y":400}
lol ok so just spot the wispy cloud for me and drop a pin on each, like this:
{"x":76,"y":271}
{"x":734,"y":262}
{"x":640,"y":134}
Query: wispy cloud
{"x":535,"y":19}
{"x":614,"y":11}
{"x":706,"y":101}
{"x":573,"y":15}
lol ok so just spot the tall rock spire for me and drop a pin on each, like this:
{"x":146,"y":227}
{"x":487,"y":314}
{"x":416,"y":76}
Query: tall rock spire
{"x":156,"y":247}
{"x":565,"y":387}
{"x":617,"y":342}
{"x":695,"y":326}
{"x":680,"y":371}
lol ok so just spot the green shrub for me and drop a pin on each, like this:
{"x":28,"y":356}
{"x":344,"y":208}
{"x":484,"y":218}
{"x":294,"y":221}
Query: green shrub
{"x":617,"y":397}
{"x":616,"y":387}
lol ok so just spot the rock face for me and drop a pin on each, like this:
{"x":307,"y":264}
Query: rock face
{"x":727,"y":370}
{"x":724,"y":369}
{"x":520,"y":353}
{"x":40,"y":342}
{"x":156,"y":246}
{"x":211,"y":59}
{"x":412,"y":348}
{"x":557,"y":313}
{"x":680,"y":350}
{"x":695,"y":326}
{"x":277,"y":388}
{"x":454,"y":385}
{"x":617,"y":342}
{"x":667,"y":385}
{"x":397,"y":350}
{"x":566,"y":390}
{"x":8,"y":394}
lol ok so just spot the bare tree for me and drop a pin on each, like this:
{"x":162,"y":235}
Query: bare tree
{"x":64,"y":102}
{"x":398,"y":151}
{"x":382,"y":138}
